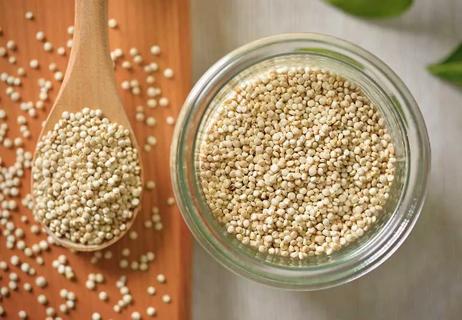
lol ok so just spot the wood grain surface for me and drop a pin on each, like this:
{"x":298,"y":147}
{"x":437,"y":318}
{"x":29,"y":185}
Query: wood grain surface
{"x":141,"y":24}
{"x":423,"y":279}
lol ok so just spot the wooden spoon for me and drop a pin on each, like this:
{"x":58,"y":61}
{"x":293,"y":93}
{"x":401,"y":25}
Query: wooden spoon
{"x":90,"y":82}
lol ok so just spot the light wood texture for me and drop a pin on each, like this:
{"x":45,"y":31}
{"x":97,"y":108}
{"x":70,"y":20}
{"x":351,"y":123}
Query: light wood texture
{"x":90,"y":82}
{"x":141,"y":24}
{"x":423,"y":279}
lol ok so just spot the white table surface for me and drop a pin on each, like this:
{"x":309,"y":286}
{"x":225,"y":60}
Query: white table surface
{"x":423,"y":279}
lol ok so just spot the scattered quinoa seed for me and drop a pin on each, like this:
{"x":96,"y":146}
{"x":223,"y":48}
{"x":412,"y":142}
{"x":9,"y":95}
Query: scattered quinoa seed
{"x":133,"y":52}
{"x":152,"y":103}
{"x":166,"y":298}
{"x":150,"y":79}
{"x":27,"y":287}
{"x":133,"y":235}
{"x":34,"y":64}
{"x":168,"y":73}
{"x":170,"y":120}
{"x":40,"y":36}
{"x":42,"y":299}
{"x":170,"y":201}
{"x":155,"y":50}
{"x":151,"y":121}
{"x":138,"y":59}
{"x":126,"y":64}
{"x":22,"y":315}
{"x":112,"y":23}
{"x":163,"y":102}
{"x":161,"y":278}
{"x":47,"y":46}
{"x":61,"y":51}
{"x":151,"y":290}
{"x":58,"y":76}
{"x":151,"y":140}
{"x":103,"y":296}
{"x":52,"y":67}
{"x":123,"y":263}
{"x":151,"y":311}
{"x":150,"y":184}
{"x":11,"y":45}
{"x":96,"y":316}
{"x":29,"y":15}
{"x":41,"y":282}
{"x":136,"y":315}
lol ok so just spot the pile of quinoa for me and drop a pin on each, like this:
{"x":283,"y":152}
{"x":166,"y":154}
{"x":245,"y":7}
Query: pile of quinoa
{"x":87,"y":178}
{"x":297,"y":162}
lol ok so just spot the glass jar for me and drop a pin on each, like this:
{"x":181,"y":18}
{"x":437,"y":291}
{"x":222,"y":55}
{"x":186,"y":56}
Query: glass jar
{"x":381,"y":85}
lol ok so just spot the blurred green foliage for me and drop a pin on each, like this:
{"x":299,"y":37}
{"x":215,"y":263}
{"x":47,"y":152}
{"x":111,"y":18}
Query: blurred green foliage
{"x":372,"y":8}
{"x":450,"y":68}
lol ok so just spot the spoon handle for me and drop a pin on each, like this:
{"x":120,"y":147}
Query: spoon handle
{"x":90,"y":79}
{"x":90,"y":49}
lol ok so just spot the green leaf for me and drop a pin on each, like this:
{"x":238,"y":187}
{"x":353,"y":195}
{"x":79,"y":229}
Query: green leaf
{"x":450,"y":68}
{"x":372,"y":8}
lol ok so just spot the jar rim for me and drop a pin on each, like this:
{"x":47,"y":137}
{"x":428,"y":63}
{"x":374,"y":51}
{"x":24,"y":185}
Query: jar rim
{"x":404,"y":216}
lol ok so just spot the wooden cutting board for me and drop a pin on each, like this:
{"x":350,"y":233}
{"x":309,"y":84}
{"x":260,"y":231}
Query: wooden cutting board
{"x":141,"y":24}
